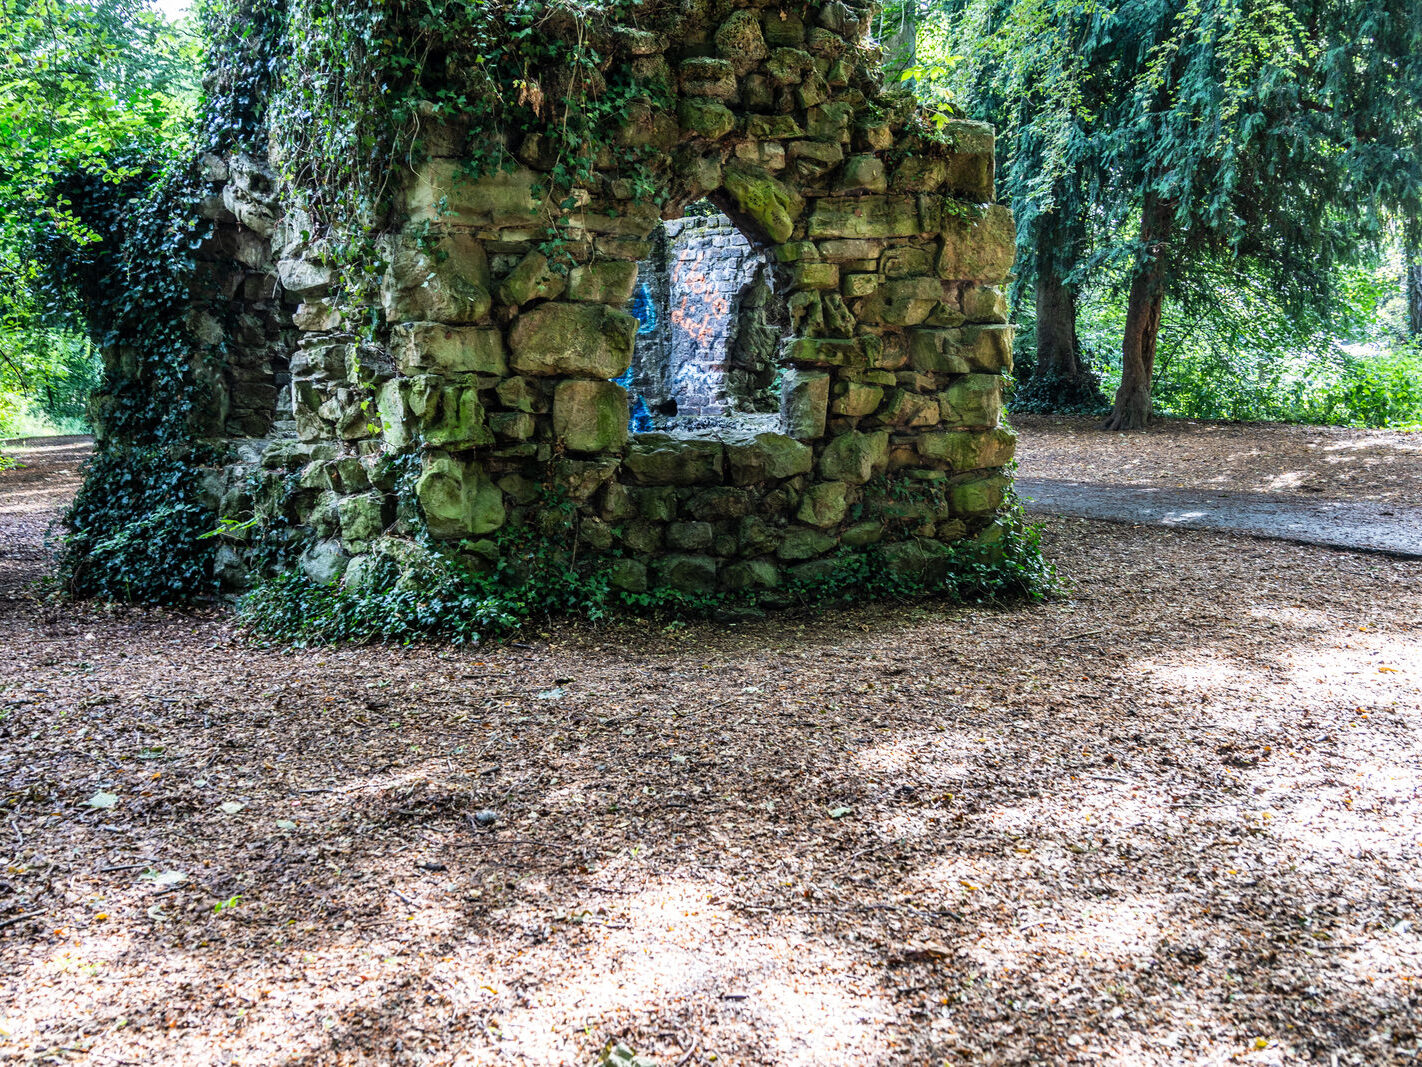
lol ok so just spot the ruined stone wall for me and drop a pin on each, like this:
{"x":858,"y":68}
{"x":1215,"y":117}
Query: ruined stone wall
{"x":492,"y":371}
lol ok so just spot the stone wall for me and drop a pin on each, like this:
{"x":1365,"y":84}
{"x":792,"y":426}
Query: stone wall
{"x":488,"y":379}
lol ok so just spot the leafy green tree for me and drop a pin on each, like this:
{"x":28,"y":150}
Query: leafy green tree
{"x":1154,"y":143}
{"x":91,"y":91}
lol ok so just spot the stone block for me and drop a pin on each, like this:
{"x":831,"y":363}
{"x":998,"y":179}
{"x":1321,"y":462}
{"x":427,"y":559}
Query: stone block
{"x":823,"y":504}
{"x":804,"y":403}
{"x":978,"y":250}
{"x":710,"y":119}
{"x":686,"y":573}
{"x":656,"y":504}
{"x":431,"y":347}
{"x":532,"y":279}
{"x":766,"y":457}
{"x":814,"y":276}
{"x":901,"y":302}
{"x":323,"y":562}
{"x":713,"y":78}
{"x":920,"y":561}
{"x":572,"y":340}
{"x":756,"y":537}
{"x":863,"y":533}
{"x":512,"y":425}
{"x":719,"y":504}
{"x":772,"y":127}
{"x":920,"y":174}
{"x":443,"y":192}
{"x":751,"y":574}
{"x":740,"y":40}
{"x":842,"y":250}
{"x":590,"y":416}
{"x":628,"y":575}
{"x":444,"y":281}
{"x":519,"y":394}
{"x":856,"y":399}
{"x":973,"y":400}
{"x":460,"y":421}
{"x":606,"y":281}
{"x":860,"y":284}
{"x":905,"y":261}
{"x":865,"y":217}
{"x":824,"y":352}
{"x":861,"y":174}
{"x":970,"y":161}
{"x":661,"y":459}
{"x":967,"y":450}
{"x":910,"y":410}
{"x":981,"y":496}
{"x":855,"y":457}
{"x":690,"y":536}
{"x":938,"y":352}
{"x":761,"y":197}
{"x":804,"y":542}
{"x":457,"y":499}
{"x":362,"y":518}
{"x":984,"y":304}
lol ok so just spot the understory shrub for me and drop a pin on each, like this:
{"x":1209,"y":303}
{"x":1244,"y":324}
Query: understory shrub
{"x":457,"y":602}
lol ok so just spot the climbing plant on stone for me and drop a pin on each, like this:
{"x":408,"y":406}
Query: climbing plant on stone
{"x":429,"y":295}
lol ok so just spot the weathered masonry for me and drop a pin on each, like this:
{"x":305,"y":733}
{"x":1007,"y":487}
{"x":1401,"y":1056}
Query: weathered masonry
{"x":857,"y":404}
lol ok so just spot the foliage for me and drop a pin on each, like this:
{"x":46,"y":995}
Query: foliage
{"x":89,"y":91}
{"x":534,"y":578}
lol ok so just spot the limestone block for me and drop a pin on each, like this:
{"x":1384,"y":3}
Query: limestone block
{"x":765,"y":457}
{"x":690,"y":536}
{"x":605,"y":281}
{"x":646,"y":126}
{"x":979,"y":250}
{"x":856,"y":399}
{"x":982,"y":496}
{"x":861,"y":174}
{"x":443,"y":191}
{"x":533,"y":278}
{"x":852,"y":249}
{"x":860,"y":284}
{"x":572,"y":340}
{"x":763,"y":198}
{"x":710,"y":119}
{"x":460,"y":422}
{"x":305,"y":277}
{"x":824,"y":352}
{"x":361,"y":517}
{"x":865,"y":217}
{"x":900,"y":302}
{"x":446,"y":281}
{"x":783,"y":28}
{"x":661,"y":459}
{"x":751,"y":574}
{"x":804,"y":403}
{"x":863,"y":533}
{"x":986,"y":349}
{"x":787,"y":65}
{"x":910,"y":410}
{"x":823,"y":504}
{"x":458,"y":499}
{"x":755,"y":536}
{"x":830,"y":121}
{"x":687,"y":573}
{"x":814,"y":276}
{"x":519,"y":394}
{"x":422,"y":347}
{"x":512,"y":425}
{"x":921,"y":560}
{"x":855,"y":457}
{"x":920,"y":174}
{"x":970,"y":163}
{"x":772,"y":127}
{"x":324,"y":562}
{"x":714,"y":78}
{"x":590,"y":416}
{"x":966,"y":450}
{"x":720,"y":503}
{"x":804,"y":542}
{"x":973,"y":400}
{"x":984,"y":303}
{"x":906,"y":261}
{"x":628,"y":575}
{"x":740,"y":40}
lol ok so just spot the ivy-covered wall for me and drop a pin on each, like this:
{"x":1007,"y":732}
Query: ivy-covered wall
{"x":429,"y":376}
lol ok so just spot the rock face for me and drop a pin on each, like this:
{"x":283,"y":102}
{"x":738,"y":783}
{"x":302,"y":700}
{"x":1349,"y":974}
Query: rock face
{"x":476,"y":371}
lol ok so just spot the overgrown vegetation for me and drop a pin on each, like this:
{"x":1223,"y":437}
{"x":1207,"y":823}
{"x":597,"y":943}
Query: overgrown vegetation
{"x":531,"y":578}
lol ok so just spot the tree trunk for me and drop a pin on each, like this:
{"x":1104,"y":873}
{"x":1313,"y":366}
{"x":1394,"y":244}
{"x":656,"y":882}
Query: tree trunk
{"x":1132,"y":407}
{"x":1058,"y":352}
{"x":1412,"y":276}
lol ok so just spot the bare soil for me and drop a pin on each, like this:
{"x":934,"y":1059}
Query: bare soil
{"x":1171,"y":817}
{"x":1319,"y":462}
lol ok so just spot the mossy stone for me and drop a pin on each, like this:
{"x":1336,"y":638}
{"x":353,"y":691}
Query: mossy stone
{"x":973,"y":400}
{"x":823,"y":504}
{"x":767,"y":456}
{"x":660,"y":459}
{"x":628,"y":575}
{"x":804,"y":542}
{"x":690,"y":536}
{"x":421,"y":347}
{"x":855,"y":457}
{"x":458,"y":499}
{"x":687,"y":573}
{"x":966,"y":450}
{"x":804,"y":403}
{"x":559,"y":339}
{"x":590,"y":416}
{"x":362,"y":518}
{"x":769,"y":202}
{"x":606,"y":281}
{"x":532,"y":279}
{"x":710,"y":119}
{"x":751,"y":574}
{"x":978,"y":250}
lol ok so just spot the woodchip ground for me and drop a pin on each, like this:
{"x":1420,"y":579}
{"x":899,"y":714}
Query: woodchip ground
{"x":1169,"y":817}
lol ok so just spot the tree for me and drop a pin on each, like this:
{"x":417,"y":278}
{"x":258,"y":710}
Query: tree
{"x":90,"y":92}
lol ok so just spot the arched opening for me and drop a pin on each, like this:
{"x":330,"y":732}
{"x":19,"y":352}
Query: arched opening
{"x":711,"y":319}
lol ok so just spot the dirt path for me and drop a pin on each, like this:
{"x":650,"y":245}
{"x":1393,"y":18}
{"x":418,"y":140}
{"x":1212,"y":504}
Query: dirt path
{"x":1170,"y":818}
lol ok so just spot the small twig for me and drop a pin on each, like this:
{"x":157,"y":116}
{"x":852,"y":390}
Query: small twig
{"x":695,"y":1041}
{"x":14,"y":825}
{"x":403,"y":897}
{"x":122,"y":867}
{"x":1084,"y":633}
{"x":20,"y":918}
